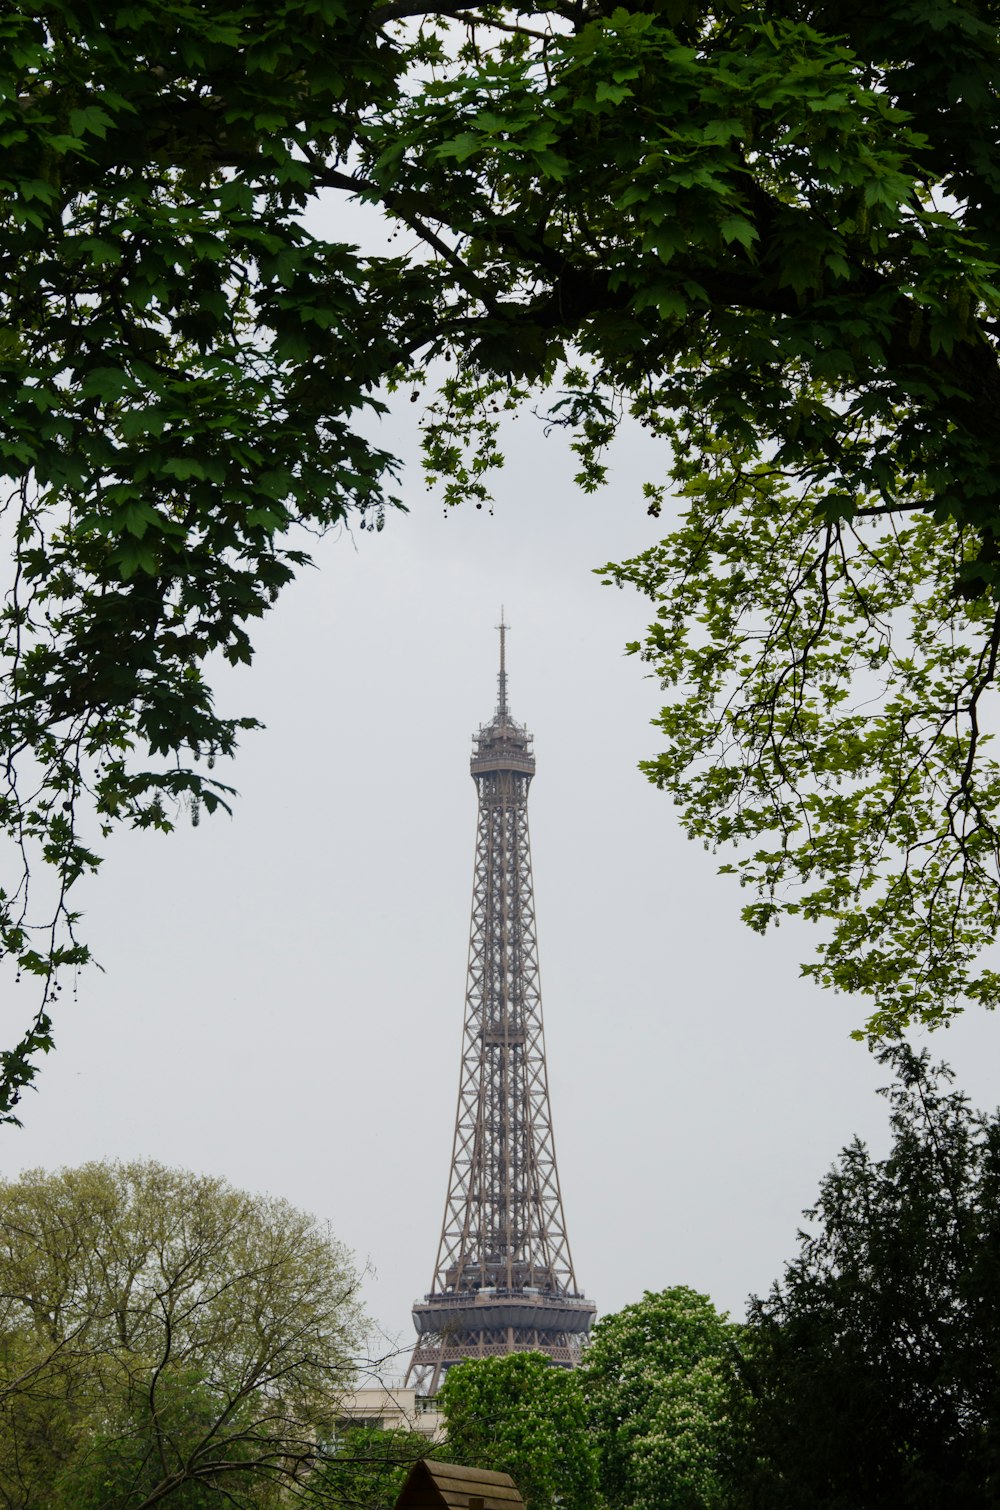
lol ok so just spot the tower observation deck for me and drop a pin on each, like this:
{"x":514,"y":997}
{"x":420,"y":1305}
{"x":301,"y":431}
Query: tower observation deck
{"x":503,"y":1281}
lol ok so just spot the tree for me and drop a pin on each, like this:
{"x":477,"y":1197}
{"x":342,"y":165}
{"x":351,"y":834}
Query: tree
{"x":520,"y":1415}
{"x":116,"y":1459}
{"x":873,"y":1364}
{"x":366,"y":1466}
{"x":164,"y":1337}
{"x":769,"y":234}
{"x":657,"y":1377}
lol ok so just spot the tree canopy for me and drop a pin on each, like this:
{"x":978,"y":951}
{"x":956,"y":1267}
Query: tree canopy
{"x":658,"y":1378}
{"x":768,"y":232}
{"x":164,"y":1337}
{"x":365,"y":1467}
{"x":871,"y":1369}
{"x":520,"y":1415}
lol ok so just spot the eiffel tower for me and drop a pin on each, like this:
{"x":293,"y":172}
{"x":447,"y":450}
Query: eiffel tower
{"x":503,"y":1280}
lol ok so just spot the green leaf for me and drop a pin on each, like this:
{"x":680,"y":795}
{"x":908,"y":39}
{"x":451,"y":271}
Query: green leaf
{"x":738,"y":228}
{"x":90,"y":120}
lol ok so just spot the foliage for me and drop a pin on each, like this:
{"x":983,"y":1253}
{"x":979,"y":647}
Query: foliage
{"x":115,"y":1461}
{"x":164,"y":1337}
{"x":827,"y":607}
{"x":520,"y":1415}
{"x":366,"y":1466}
{"x":658,"y":1377}
{"x":178,"y":370}
{"x":770,"y":234}
{"x":873,"y":1364}
{"x":836,"y":740}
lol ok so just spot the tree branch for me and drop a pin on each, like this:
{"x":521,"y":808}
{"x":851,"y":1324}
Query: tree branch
{"x":401,"y":10}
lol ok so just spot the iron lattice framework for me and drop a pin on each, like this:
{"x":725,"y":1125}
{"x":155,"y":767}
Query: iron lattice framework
{"x":503,"y":1281}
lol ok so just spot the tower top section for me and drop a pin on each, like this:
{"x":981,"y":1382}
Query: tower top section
{"x":502,"y":744}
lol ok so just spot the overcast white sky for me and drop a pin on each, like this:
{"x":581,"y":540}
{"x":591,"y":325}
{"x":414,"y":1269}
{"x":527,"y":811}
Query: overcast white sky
{"x":284,"y":991}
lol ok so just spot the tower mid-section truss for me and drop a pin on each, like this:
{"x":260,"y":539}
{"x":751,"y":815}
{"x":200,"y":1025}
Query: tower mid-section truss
{"x":503,"y":1281}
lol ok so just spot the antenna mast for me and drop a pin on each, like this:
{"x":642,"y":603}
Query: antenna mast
{"x":502,"y":678}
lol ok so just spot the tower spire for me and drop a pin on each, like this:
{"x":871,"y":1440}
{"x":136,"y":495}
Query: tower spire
{"x":502,"y":678}
{"x":503,"y":1280}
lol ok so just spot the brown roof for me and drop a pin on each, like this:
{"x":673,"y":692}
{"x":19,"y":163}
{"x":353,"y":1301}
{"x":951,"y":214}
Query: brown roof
{"x":447,"y":1486}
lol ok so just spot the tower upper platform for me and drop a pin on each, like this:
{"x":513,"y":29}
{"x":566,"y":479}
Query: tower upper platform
{"x":503,"y":744}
